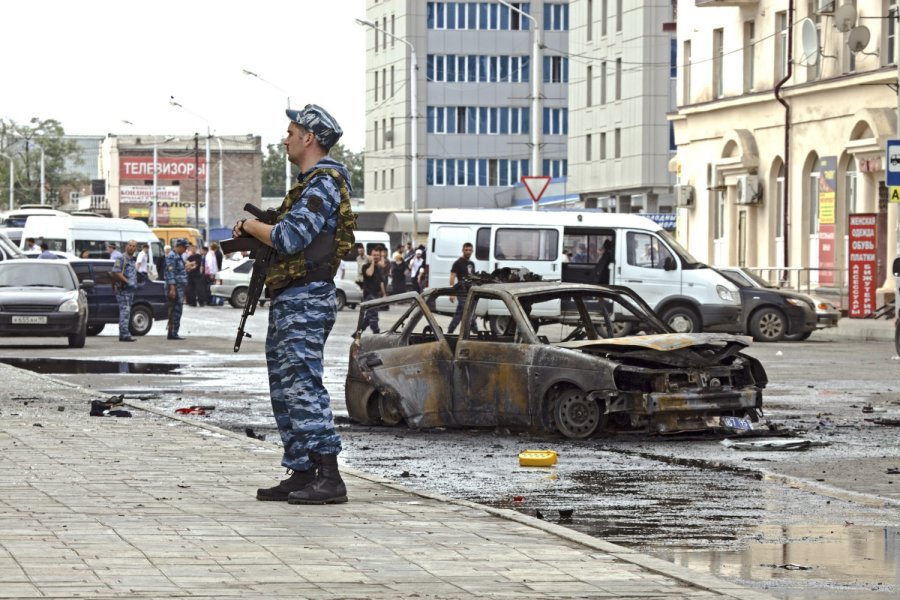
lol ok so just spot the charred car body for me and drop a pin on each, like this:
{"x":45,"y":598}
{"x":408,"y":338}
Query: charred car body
{"x":546,"y":356}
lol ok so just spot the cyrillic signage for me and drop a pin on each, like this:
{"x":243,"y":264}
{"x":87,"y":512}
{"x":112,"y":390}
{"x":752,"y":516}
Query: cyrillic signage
{"x":142,"y":167}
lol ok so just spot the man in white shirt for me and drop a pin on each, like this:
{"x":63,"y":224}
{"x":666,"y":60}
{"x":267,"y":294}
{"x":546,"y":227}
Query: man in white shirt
{"x":142,"y":264}
{"x":212,"y":267}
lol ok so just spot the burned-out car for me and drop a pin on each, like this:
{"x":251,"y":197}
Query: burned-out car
{"x":572,"y":358}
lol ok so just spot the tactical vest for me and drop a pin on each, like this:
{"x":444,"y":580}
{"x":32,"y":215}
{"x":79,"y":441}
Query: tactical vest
{"x":320,"y":260}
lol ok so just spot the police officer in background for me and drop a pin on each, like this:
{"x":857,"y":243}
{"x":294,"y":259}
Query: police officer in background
{"x":313,"y":231}
{"x":176,"y":281}
{"x":124,"y":274}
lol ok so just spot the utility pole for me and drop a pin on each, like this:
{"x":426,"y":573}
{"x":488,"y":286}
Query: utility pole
{"x":197,"y":180}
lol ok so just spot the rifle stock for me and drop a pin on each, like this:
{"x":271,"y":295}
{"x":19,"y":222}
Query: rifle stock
{"x":262,"y":256}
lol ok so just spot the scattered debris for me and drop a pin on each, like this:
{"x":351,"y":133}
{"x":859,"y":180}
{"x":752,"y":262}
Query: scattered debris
{"x":539,"y":514}
{"x":565,"y":514}
{"x":537,"y":458}
{"x":252,"y":434}
{"x":61,"y":408}
{"x":887,"y":422}
{"x":893,"y":471}
{"x":192,"y":410}
{"x":102,"y":408}
{"x":789,"y":567}
{"x":773,"y":444}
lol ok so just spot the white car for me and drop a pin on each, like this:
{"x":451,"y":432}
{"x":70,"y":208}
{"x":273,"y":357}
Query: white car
{"x":233,"y":282}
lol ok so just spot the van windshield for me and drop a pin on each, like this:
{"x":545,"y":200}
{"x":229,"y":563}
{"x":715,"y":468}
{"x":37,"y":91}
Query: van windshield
{"x":687,"y":261}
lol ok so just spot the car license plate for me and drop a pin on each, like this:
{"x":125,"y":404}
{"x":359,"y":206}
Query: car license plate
{"x":22,"y":320}
{"x":737,"y":423}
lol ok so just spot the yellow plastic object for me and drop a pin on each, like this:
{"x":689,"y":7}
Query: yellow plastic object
{"x":537,"y":458}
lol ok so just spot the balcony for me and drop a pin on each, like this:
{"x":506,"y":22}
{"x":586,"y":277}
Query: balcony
{"x":706,"y":3}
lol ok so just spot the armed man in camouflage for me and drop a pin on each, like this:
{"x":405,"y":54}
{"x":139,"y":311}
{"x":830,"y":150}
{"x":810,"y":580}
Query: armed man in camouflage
{"x":176,"y":282}
{"x":314,"y":229}
{"x":124,"y":275}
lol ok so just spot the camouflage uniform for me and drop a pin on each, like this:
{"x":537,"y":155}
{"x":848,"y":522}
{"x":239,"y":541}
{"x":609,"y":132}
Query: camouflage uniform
{"x":300,"y":319}
{"x":124,"y":264}
{"x":176,"y":274}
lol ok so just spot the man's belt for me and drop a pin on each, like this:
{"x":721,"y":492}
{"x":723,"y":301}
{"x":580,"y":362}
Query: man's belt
{"x":321,"y":273}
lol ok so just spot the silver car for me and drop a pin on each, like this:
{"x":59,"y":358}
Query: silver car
{"x":233,"y":282}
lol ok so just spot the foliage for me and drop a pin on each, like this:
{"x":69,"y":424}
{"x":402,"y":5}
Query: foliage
{"x":273,"y":169}
{"x":23,"y":142}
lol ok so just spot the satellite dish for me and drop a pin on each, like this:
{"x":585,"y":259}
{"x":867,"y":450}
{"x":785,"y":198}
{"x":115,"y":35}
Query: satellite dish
{"x":858,"y":38}
{"x":809,"y":37}
{"x":845,"y":18}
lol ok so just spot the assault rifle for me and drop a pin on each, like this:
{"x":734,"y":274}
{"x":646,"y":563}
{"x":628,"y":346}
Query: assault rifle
{"x":262,"y":256}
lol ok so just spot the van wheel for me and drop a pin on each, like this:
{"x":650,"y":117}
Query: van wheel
{"x":239,"y":297}
{"x":682,"y":319}
{"x":340,"y":299}
{"x":141,"y":320}
{"x":95,"y":329}
{"x":768,"y":325}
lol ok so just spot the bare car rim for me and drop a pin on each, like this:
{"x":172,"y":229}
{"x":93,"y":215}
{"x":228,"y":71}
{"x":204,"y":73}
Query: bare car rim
{"x":389,"y":411}
{"x":239,"y":297}
{"x":576,"y":416}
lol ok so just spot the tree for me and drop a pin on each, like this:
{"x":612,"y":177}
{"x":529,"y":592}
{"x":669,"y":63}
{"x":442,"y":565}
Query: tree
{"x":24,"y":142}
{"x":273,"y":169}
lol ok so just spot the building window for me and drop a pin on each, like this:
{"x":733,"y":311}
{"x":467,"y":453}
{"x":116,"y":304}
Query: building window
{"x":603,"y":82}
{"x":384,"y":83}
{"x":779,"y":204}
{"x":813,"y":71}
{"x":375,"y":180}
{"x":618,"y":79}
{"x":618,"y":15}
{"x":384,"y":133}
{"x":556,"y":17}
{"x":720,"y":215}
{"x":813,"y":203}
{"x":891,"y":36}
{"x":476,"y":16}
{"x":587,"y":148}
{"x":781,"y":56}
{"x":392,"y":178}
{"x":604,"y":15}
{"x":603,"y":146}
{"x":718,"y":51}
{"x":617,"y":143}
{"x":686,"y":74}
{"x":393,"y":33}
{"x":556,"y":168}
{"x":749,"y":50}
{"x":589,"y":84}
{"x":392,"y":81}
{"x":393,"y":133}
{"x":590,"y":20}
{"x":485,"y":69}
{"x":376,"y":135}
{"x":556,"y":121}
{"x":376,"y":86}
{"x":556,"y":69}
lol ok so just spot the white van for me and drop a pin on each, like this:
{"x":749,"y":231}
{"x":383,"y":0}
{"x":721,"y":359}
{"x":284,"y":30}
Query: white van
{"x":606,"y":248}
{"x":369,"y":239}
{"x":87,"y":237}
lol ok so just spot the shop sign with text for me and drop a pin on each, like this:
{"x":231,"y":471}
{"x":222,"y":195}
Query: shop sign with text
{"x":863,"y":233}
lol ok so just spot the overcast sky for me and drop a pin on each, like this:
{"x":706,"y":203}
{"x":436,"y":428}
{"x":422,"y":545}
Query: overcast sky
{"x":93,"y":63}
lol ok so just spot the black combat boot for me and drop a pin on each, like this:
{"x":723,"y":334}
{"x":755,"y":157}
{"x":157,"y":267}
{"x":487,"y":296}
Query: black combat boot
{"x":328,"y":487}
{"x":297,"y":481}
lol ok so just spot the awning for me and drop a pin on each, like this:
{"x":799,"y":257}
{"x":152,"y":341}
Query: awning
{"x":402,"y":222}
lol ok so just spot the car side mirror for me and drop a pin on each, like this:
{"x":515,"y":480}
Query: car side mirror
{"x":87,"y":284}
{"x":669,"y":264}
{"x":897,"y":267}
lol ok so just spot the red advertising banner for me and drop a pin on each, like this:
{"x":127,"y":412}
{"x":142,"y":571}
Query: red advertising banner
{"x":826,"y":186}
{"x":863,"y":230}
{"x":141,"y":167}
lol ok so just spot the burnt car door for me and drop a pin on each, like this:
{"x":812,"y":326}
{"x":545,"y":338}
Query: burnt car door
{"x":410,"y":363}
{"x":492,"y":377}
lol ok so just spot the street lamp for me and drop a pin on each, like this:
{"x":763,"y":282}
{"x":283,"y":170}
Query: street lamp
{"x":176,"y":104}
{"x":414,"y":133}
{"x":11,"y":188}
{"x":535,"y":93}
{"x":155,"y":174}
{"x":287,"y":162}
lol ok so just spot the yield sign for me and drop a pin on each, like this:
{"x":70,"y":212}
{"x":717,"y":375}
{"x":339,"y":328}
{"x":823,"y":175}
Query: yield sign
{"x":536,"y":185}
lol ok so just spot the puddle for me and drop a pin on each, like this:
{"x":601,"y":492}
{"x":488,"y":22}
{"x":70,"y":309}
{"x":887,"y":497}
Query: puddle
{"x":69,"y":366}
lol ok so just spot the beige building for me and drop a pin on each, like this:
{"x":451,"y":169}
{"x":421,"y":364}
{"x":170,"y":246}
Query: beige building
{"x":765,"y":182}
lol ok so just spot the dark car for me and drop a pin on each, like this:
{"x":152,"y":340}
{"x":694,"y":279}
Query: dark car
{"x":554,"y":364}
{"x":772,"y":314}
{"x":43,"y":299}
{"x":149,"y":298}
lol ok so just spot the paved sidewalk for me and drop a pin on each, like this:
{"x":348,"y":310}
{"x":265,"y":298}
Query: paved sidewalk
{"x":858,"y":330}
{"x":157,"y":506}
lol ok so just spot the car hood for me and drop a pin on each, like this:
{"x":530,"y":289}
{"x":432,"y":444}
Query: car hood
{"x":30,"y":295}
{"x":676,"y":349}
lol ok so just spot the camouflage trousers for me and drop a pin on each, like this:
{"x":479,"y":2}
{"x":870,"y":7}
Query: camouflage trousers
{"x":300,"y":320}
{"x":176,"y":307}
{"x":124,"y":298}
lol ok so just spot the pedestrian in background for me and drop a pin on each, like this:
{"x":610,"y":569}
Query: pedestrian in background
{"x":416,"y":269}
{"x":362,"y":261}
{"x":124,"y":275}
{"x":176,"y":282}
{"x":461,"y":269}
{"x":113,"y":251}
{"x":214,"y":260}
{"x":313,"y":231}
{"x":45,"y":251}
{"x":30,"y":244}
{"x":398,"y":275}
{"x":373,"y":287}
{"x":193,"y":262}
{"x":142,"y":264}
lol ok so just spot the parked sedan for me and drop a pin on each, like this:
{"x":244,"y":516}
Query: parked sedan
{"x":43,"y":298}
{"x":232,"y":283}
{"x":772,"y":314}
{"x":555,"y":366}
{"x":149,"y":298}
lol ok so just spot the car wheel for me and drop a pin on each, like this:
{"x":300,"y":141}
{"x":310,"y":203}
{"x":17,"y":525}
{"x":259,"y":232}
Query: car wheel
{"x":389,"y":411}
{"x":501,"y":325}
{"x":768,"y":325}
{"x":141,"y":320}
{"x":76,"y":340}
{"x":682,"y":319}
{"x":574,"y":415}
{"x":340,"y":299}
{"x":621,"y":328}
{"x":239,"y":297}
{"x":95,"y":329}
{"x":798,"y":337}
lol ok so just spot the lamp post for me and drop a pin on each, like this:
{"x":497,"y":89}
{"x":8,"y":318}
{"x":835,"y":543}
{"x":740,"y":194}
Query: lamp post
{"x":535,"y":93}
{"x":11,"y":188}
{"x":176,"y":104}
{"x":155,"y":174}
{"x":287,"y":162}
{"x":413,"y":123}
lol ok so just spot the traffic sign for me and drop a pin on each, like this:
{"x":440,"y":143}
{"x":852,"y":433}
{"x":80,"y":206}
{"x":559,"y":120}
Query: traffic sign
{"x":537,"y":185}
{"x":893,"y":163}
